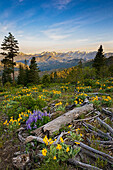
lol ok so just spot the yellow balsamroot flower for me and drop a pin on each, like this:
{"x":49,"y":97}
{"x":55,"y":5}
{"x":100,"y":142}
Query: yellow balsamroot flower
{"x":5,"y":122}
{"x":45,"y":139}
{"x":69,"y":126}
{"x":77,"y":143}
{"x":81,"y":134}
{"x":59,"y":146}
{"x":76,"y":102}
{"x":44,"y":151}
{"x":54,"y":157}
{"x":67,"y":149}
{"x":61,"y":139}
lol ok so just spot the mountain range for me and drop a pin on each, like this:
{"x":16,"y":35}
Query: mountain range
{"x":54,"y":60}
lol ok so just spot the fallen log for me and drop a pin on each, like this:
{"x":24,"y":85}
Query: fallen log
{"x":107,"y":112}
{"x":89,"y":118}
{"x":82,"y":165}
{"x":103,"y":142}
{"x":64,"y":119}
{"x":109,"y":128}
{"x":96,"y":93}
{"x":95,"y":153}
{"x":97,"y":132}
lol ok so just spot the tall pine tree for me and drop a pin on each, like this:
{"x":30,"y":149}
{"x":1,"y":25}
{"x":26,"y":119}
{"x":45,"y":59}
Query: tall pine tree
{"x":10,"y":49}
{"x":33,"y":74}
{"x":21,"y":75}
{"x":99,"y":60}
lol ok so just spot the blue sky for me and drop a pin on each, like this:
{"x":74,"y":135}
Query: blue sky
{"x":58,"y":25}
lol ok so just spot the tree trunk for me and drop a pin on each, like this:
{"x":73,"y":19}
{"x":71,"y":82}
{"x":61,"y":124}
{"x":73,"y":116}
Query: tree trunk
{"x":64,"y":119}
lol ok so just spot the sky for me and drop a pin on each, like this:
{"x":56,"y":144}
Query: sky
{"x":58,"y":25}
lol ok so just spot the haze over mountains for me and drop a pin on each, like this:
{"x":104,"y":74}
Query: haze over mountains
{"x":54,"y":60}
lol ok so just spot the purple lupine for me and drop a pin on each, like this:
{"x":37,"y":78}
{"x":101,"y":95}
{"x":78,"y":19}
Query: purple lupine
{"x":28,"y":126}
{"x":49,"y":114}
{"x":33,"y":118}
{"x":45,"y":113}
{"x":34,"y":127}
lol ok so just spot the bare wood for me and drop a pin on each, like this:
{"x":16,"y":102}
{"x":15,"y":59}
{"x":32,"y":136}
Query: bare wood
{"x":107,"y":112}
{"x":99,"y":94}
{"x":31,"y":138}
{"x":103,"y":142}
{"x":105,"y":125}
{"x":94,"y":151}
{"x":82,"y":165}
{"x":64,"y":119}
{"x":89,"y":118}
{"x":97,"y":132}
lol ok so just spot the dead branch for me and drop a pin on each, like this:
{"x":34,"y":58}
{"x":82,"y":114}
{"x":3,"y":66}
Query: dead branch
{"x":93,"y":151}
{"x":82,"y":165}
{"x":90,"y":118}
{"x":105,"y":125}
{"x":107,"y":112}
{"x":31,"y":138}
{"x":103,"y":142}
{"x":98,"y":132}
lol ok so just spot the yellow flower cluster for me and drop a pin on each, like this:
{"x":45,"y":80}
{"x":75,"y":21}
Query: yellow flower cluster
{"x":42,"y":97}
{"x":59,"y":147}
{"x":83,"y":88}
{"x":108,"y":98}
{"x":94,"y":98}
{"x":61,"y":139}
{"x":22,"y":117}
{"x":57,"y":104}
{"x":56,"y":92}
{"x":44,"y":151}
{"x":11,"y":122}
{"x":48,"y":141}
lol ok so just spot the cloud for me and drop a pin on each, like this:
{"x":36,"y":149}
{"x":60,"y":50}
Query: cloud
{"x":60,"y":4}
{"x":21,"y":0}
{"x":55,"y":34}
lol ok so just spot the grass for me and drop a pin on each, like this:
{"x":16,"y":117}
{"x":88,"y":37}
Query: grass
{"x":66,"y":97}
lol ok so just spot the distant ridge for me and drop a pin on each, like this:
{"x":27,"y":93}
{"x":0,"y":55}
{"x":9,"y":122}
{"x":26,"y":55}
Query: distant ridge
{"x":53,"y":60}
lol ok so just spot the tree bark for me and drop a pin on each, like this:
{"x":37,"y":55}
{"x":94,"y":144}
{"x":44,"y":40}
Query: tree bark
{"x":64,"y":119}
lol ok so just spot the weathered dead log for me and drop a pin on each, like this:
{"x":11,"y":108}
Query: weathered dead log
{"x":89,"y":118}
{"x":109,"y":128}
{"x":19,"y":131}
{"x":107,"y":112}
{"x":31,"y":138}
{"x":96,"y":93}
{"x":103,"y":142}
{"x":95,"y":153}
{"x":82,"y":165}
{"x":64,"y":119}
{"x":97,"y":132}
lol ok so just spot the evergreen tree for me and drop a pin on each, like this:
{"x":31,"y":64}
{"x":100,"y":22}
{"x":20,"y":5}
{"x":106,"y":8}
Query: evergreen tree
{"x":33,"y":75}
{"x":6,"y":75}
{"x":10,"y":48}
{"x":26,"y":73}
{"x":99,"y":60}
{"x":46,"y":79}
{"x":80,"y":64}
{"x":21,"y":75}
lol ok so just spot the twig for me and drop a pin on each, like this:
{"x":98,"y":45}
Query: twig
{"x":82,"y":165}
{"x":97,"y":132}
{"x":105,"y":125}
{"x":94,"y":151}
{"x":98,"y":114}
{"x":31,"y":138}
